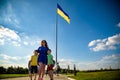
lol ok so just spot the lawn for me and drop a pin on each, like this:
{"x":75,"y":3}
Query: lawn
{"x":12,"y":75}
{"x":104,"y":75}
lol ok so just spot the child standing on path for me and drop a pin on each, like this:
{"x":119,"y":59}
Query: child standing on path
{"x":50,"y":64}
{"x":34,"y":63}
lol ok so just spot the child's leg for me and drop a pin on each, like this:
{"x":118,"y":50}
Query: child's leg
{"x":43,"y":70}
{"x":35,"y":76}
{"x":31,"y":71}
{"x":50,"y":67}
{"x":35,"y":71}
{"x":51,"y":74}
{"x":40,"y":70}
{"x":30,"y":76}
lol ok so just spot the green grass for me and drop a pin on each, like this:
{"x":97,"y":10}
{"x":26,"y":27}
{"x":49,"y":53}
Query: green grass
{"x":104,"y":75}
{"x":2,"y":76}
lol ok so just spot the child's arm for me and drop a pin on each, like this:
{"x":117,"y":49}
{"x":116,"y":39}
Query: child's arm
{"x":51,"y":60}
{"x":30,"y":61}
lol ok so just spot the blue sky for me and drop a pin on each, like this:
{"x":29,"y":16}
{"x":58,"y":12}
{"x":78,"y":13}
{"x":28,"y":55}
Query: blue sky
{"x":91,"y":40}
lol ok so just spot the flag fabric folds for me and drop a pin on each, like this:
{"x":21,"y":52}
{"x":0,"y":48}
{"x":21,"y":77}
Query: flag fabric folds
{"x":62,"y":13}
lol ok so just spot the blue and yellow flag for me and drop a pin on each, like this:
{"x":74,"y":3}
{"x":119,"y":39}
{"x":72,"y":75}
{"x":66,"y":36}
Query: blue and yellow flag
{"x":63,"y":14}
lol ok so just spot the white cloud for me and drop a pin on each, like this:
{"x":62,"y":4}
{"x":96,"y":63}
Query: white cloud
{"x":99,"y":47}
{"x":15,"y":43}
{"x":111,"y":57}
{"x":31,"y":40}
{"x":7,"y":57}
{"x":114,"y":40}
{"x":1,"y":41}
{"x":109,"y":43}
{"x":25,"y":43}
{"x":65,"y":62}
{"x":105,"y":62}
{"x":10,"y":16}
{"x":92,"y":43}
{"x":5,"y":32}
{"x":8,"y":35}
{"x":7,"y":60}
{"x":118,"y":24}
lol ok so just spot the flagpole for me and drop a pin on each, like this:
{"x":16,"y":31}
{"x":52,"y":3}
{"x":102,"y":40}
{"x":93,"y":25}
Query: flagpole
{"x":56,"y":35}
{"x":66,"y":17}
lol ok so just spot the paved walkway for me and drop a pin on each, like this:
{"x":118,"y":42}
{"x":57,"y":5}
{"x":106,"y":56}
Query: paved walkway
{"x":61,"y":77}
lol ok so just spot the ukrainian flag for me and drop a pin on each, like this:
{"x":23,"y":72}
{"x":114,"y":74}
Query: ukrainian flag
{"x":63,"y":14}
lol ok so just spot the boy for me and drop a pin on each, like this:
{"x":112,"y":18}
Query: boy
{"x":50,"y":64}
{"x":34,"y":64}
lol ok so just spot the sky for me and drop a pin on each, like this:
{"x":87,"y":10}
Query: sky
{"x":90,"y":41}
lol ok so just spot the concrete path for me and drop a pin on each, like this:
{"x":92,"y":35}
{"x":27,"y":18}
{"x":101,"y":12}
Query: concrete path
{"x":60,"y":77}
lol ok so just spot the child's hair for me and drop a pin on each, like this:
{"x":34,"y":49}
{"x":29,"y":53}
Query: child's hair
{"x":49,"y":50}
{"x":36,"y":51}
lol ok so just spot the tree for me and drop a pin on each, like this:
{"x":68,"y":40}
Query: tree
{"x":2,"y":70}
{"x":20,"y":70}
{"x":13,"y":70}
{"x":10,"y":70}
{"x":68,"y":69}
{"x":110,"y":68}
